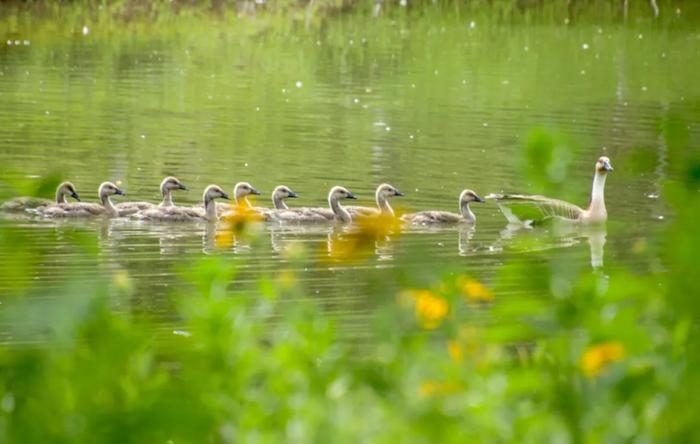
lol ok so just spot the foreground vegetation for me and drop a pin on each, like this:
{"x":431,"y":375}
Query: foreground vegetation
{"x":585,"y":357}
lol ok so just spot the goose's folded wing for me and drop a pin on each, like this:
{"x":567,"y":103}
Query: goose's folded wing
{"x":521,"y":208}
{"x":25,"y":203}
{"x":361,"y":211}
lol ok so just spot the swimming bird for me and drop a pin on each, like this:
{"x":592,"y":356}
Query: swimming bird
{"x":167,"y":186}
{"x":445,"y":217}
{"x":542,"y":208}
{"x":84,"y":209}
{"x":280,"y":194}
{"x":64,"y":190}
{"x":180,"y":214}
{"x":316,"y":214}
{"x":381,"y":195}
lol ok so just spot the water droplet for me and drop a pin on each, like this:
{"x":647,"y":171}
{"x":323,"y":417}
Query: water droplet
{"x":485,"y":124}
{"x":182,"y":333}
{"x":644,"y":88}
{"x":257,"y":108}
{"x":472,"y":24}
{"x":298,"y":84}
{"x":583,"y":72}
{"x":584,"y":46}
{"x":47,"y":112}
{"x":413,"y":85}
{"x":388,"y":128}
{"x":245,"y":164}
{"x":27,"y":43}
{"x":143,"y":136}
{"x":17,"y":42}
{"x":356,"y":100}
{"x":640,"y":36}
{"x":86,"y":30}
{"x":436,"y":72}
{"x":526,"y":49}
{"x":505,"y":82}
{"x":411,"y":136}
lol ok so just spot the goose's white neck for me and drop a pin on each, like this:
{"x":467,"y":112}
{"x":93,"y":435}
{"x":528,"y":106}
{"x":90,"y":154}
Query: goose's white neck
{"x":61,"y":196}
{"x":596,"y":210}
{"x":466,"y":212}
{"x":107,"y":203}
{"x":210,"y":208}
{"x":242,"y":201}
{"x":383,"y":203}
{"x":278,"y":202}
{"x":340,"y":212}
{"x":167,"y":199}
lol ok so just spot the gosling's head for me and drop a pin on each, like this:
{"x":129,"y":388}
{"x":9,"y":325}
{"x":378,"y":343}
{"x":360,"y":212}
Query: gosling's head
{"x":283,"y":192}
{"x":337,"y":193}
{"x":603,"y":165}
{"x":387,"y":190}
{"x":243,"y":189}
{"x":68,"y":189}
{"x":213,"y":192}
{"x":470,"y":196}
{"x":171,"y":183}
{"x":109,"y":189}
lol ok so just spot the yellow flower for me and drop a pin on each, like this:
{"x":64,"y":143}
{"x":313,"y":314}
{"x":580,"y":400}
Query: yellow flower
{"x":474,"y":291}
{"x":436,"y":388}
{"x":360,"y":242}
{"x":239,"y":218}
{"x":431,"y":309}
{"x":455,"y":350}
{"x":597,"y":357}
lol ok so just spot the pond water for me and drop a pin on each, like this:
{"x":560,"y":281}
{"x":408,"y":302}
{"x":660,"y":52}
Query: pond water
{"x":431,"y":105}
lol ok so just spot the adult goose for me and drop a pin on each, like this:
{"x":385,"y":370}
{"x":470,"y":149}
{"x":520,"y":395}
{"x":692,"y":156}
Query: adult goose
{"x":167,"y":186}
{"x":24,"y":203}
{"x":83,"y":209}
{"x":528,"y":210}
{"x":465,"y":214}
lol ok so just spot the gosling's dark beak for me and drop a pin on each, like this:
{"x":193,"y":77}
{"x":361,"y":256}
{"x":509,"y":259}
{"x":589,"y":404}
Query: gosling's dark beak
{"x":75,"y":196}
{"x":254,"y":191}
{"x":398,"y":193}
{"x":607,"y":166}
{"x":183,"y":187}
{"x":478,"y":199}
{"x":292,"y":194}
{"x":224,"y":196}
{"x":351,"y":196}
{"x":119,"y":192}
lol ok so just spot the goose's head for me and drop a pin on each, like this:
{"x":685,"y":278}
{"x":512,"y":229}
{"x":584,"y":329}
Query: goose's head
{"x":386,"y":190}
{"x":213,"y":192}
{"x":469,"y":196}
{"x":68,"y":189}
{"x":283,"y":192}
{"x":171,"y":183}
{"x":109,"y":189}
{"x":243,"y":189}
{"x":603,"y":165}
{"x":338,"y":193}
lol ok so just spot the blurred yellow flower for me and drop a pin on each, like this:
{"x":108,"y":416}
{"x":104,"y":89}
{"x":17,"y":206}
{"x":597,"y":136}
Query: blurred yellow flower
{"x":239,"y":218}
{"x":360,"y":242}
{"x":474,"y":291}
{"x":436,"y":388}
{"x":286,"y":279}
{"x":431,"y":309}
{"x":455,"y":350}
{"x":597,"y":357}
